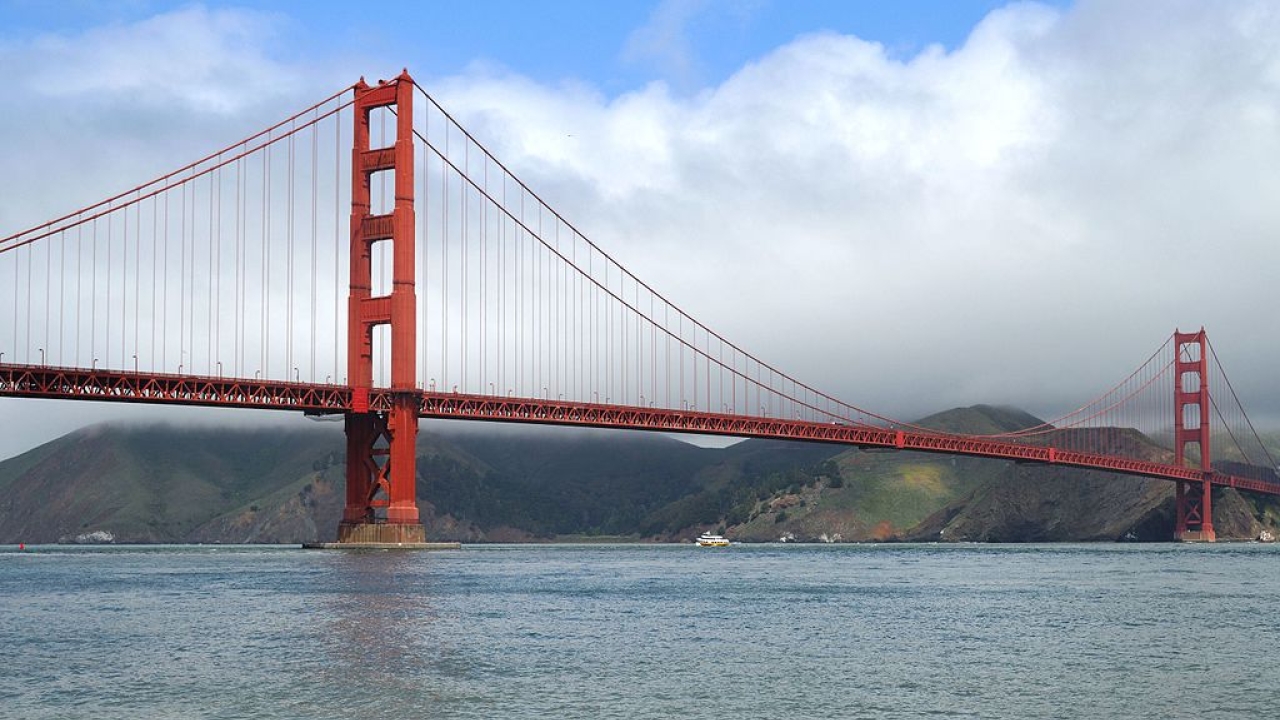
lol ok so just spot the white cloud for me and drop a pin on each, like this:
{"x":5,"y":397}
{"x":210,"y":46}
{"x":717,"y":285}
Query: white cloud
{"x":664,"y":40}
{"x":1019,"y":220}
{"x":92,"y":113}
{"x":124,"y":102}
{"x":207,"y":60}
{"x":1022,"y":219}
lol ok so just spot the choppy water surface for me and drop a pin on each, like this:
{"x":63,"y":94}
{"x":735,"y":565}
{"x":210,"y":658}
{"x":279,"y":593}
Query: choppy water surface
{"x":642,"y":632}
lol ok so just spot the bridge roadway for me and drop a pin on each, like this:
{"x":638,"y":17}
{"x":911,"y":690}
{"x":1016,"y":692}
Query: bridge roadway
{"x":35,"y":381}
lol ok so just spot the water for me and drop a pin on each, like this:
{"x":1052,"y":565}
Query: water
{"x":642,"y":632}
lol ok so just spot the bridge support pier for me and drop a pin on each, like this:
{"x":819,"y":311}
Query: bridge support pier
{"x":1195,"y":512}
{"x":381,"y":507}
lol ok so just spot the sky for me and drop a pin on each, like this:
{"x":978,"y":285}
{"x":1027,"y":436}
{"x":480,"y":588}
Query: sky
{"x":912,"y":205}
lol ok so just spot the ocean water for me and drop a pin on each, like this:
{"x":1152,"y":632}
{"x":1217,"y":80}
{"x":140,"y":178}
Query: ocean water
{"x":628,"y":631}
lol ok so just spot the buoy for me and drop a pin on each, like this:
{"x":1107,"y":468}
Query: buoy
{"x":22,"y":546}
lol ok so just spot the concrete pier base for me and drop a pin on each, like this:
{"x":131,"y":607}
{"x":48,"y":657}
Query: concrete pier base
{"x":382,"y":536}
{"x":1197,"y":536}
{"x":382,"y":546}
{"x":385,"y":532}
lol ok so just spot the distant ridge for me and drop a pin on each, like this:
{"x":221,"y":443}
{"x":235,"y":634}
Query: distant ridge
{"x":157,"y":483}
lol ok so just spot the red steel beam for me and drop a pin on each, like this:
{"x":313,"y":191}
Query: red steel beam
{"x":558,"y":412}
{"x":117,"y":386}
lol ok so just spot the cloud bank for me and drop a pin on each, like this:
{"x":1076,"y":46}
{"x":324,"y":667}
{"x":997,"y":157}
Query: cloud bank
{"x":1020,"y":220}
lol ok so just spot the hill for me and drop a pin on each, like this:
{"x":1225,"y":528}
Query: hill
{"x":909,"y":496}
{"x":148,"y":484}
{"x":157,"y":483}
{"x":498,"y":483}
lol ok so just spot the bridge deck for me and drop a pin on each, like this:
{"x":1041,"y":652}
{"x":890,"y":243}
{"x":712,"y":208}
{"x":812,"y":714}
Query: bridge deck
{"x":116,"y":386}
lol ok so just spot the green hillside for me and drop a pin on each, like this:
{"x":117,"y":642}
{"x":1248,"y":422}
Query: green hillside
{"x":149,"y":483}
{"x":497,"y":483}
{"x":878,"y":495}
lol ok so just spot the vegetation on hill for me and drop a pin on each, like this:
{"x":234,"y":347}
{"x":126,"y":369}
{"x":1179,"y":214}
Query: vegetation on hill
{"x":479,"y":483}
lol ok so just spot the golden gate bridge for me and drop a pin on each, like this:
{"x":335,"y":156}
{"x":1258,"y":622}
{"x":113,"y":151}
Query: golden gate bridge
{"x":368,"y":257}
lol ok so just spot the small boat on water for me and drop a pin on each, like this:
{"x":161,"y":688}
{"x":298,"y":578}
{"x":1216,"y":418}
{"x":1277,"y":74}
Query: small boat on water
{"x":707,"y":539}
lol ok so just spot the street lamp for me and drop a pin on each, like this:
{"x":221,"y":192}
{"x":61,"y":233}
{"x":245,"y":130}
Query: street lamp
{"x":95,"y":365}
{"x":135,"y":364}
{"x":297,"y":377}
{"x":135,"y":360}
{"x":41,"y":355}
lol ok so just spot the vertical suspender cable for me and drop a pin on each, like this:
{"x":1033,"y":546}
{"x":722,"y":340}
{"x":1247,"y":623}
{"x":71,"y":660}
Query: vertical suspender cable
{"x":211,"y":273}
{"x":444,"y":263}
{"x":337,"y":245}
{"x":137,"y":281}
{"x":315,"y":229}
{"x":48,"y":300}
{"x":107,"y":310}
{"x":429,"y":235}
{"x":237,"y":350}
{"x":264,"y":340}
{"x":288,"y":255}
{"x":93,"y":295}
{"x":466,"y":250}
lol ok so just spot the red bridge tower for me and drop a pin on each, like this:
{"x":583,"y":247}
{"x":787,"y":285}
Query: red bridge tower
{"x":1191,"y":427}
{"x":381,"y":458}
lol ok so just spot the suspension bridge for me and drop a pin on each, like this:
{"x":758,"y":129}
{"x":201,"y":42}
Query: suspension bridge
{"x":368,"y":257}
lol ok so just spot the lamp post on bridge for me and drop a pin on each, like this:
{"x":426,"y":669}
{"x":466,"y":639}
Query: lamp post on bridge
{"x":41,"y":356}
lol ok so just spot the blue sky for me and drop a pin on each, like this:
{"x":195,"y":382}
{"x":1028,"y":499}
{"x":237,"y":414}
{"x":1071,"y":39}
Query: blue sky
{"x":614,"y":46}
